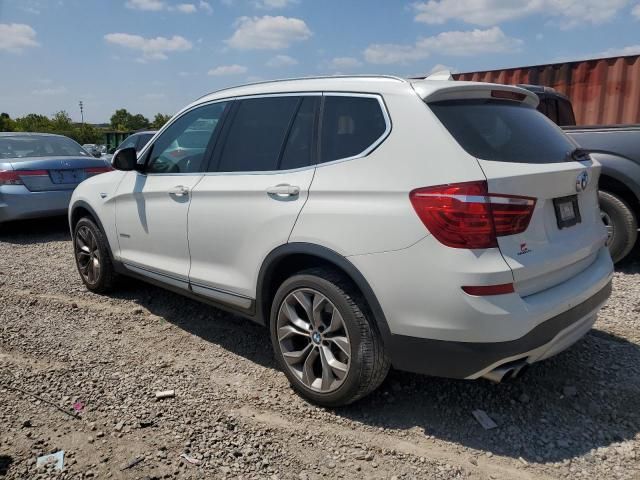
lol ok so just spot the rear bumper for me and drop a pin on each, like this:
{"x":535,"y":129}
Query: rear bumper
{"x":473,"y":360}
{"x":17,"y":203}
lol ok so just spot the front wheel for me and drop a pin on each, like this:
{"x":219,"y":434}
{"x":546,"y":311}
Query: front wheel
{"x":92,"y":255}
{"x":621,"y":224}
{"x":328,"y":348}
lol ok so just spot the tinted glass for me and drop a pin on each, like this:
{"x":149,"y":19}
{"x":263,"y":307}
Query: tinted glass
{"x":143,"y":139}
{"x":349,"y":126}
{"x":298,"y":151}
{"x":39,"y":146}
{"x":257,"y":134}
{"x":503,"y":131}
{"x":182,"y":146}
{"x":129,"y":142}
{"x":565,"y":113}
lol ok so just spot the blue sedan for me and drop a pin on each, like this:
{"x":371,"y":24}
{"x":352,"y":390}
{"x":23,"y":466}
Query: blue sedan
{"x":38,"y":173}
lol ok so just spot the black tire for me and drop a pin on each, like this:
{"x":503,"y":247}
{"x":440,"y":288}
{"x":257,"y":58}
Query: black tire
{"x":106,"y":278}
{"x":622,"y":225}
{"x":369,"y":364}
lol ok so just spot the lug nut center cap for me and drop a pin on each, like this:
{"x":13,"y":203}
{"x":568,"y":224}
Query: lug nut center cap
{"x":316,"y":338}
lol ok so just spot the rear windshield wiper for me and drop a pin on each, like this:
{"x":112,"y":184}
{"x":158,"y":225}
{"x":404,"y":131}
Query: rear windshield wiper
{"x":582,"y":154}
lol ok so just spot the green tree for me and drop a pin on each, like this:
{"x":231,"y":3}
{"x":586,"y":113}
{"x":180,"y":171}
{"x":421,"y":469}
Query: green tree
{"x":121,"y":119}
{"x":6,"y":124}
{"x":139,"y":122}
{"x":61,"y":122}
{"x":33,"y":122}
{"x":159,"y":120}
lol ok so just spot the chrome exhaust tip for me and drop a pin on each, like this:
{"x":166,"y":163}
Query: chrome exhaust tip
{"x":507,"y":371}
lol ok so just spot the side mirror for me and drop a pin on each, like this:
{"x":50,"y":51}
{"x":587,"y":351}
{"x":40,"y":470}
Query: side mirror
{"x":125,"y":160}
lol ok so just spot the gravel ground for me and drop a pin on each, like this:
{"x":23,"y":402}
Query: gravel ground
{"x":574,"y":416}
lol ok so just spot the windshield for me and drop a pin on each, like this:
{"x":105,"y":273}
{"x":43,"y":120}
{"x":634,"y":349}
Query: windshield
{"x":503,"y":131}
{"x":39,"y":146}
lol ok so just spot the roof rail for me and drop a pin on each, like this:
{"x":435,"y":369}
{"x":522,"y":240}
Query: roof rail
{"x":316,"y":77}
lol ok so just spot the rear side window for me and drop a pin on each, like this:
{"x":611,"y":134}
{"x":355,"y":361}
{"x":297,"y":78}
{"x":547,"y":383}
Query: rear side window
{"x":503,"y":131}
{"x":350,"y":125}
{"x":257,"y":134}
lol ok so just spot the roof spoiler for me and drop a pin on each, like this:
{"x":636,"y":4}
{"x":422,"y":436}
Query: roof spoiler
{"x":473,"y":90}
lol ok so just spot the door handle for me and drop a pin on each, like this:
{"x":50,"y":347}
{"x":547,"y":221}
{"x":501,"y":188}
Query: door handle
{"x":179,"y":191}
{"x":284,"y":190}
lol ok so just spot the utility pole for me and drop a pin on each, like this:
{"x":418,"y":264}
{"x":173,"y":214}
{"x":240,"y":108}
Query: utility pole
{"x":81,"y":112}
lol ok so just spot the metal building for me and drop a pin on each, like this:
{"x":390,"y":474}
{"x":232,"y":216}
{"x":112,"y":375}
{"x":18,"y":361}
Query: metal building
{"x":604,"y":91}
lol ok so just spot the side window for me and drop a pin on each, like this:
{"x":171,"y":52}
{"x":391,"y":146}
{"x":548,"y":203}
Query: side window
{"x":129,"y":142}
{"x":350,"y":125}
{"x":143,"y":139}
{"x":182,"y":146}
{"x":565,"y":113}
{"x":257,"y":133}
{"x":298,"y":152}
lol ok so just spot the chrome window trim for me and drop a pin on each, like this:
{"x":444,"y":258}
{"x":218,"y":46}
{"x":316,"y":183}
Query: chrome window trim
{"x":364,"y":153}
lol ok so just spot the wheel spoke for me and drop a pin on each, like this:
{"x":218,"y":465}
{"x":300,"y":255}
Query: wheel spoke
{"x":308,"y":377}
{"x":336,"y":321}
{"x":289,"y":331}
{"x":290,"y":314}
{"x":297,"y":356}
{"x":342,"y":343}
{"x":316,"y":316}
{"x":96,"y":268}
{"x":336,"y":367}
{"x":305,"y":302}
{"x":327,"y":374}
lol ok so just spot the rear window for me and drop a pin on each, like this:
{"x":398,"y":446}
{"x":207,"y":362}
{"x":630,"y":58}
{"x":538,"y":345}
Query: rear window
{"x":503,"y":131}
{"x":28,"y":146}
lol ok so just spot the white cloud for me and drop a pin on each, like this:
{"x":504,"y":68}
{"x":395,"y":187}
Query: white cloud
{"x":493,"y":12}
{"x":149,"y":5}
{"x":186,"y":8}
{"x":268,"y":33}
{"x":439,"y":67}
{"x":161,"y":5}
{"x":227,"y":70}
{"x":339,"y":63}
{"x":636,"y":11}
{"x":281,"y":61}
{"x":205,"y":7}
{"x":618,"y":52}
{"x":273,"y":4}
{"x":15,"y":37}
{"x":474,"y":42}
{"x":151,"y":48}
{"x":50,"y":91}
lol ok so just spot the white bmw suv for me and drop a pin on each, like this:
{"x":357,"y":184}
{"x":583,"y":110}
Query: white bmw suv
{"x":439,"y":227}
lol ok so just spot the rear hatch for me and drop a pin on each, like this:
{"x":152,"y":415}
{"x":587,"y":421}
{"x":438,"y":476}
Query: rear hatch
{"x":523,"y":154}
{"x":40,"y":174}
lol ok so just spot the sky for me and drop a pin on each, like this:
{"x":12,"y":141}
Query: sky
{"x":151,"y":56}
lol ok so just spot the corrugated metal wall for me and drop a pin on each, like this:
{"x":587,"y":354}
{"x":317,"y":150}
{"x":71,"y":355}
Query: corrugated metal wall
{"x":603,"y":92}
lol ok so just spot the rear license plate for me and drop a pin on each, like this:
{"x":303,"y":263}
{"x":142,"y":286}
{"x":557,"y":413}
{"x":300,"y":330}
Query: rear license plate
{"x":67,"y":176}
{"x":567,"y":211}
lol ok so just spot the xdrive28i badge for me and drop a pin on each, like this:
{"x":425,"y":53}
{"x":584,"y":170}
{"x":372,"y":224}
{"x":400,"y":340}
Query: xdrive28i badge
{"x":582,"y":181}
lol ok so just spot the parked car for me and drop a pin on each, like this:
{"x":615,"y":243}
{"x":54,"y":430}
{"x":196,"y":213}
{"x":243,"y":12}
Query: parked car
{"x":136,"y":140}
{"x":434,"y":226}
{"x":38,"y":172}
{"x":617,"y":148}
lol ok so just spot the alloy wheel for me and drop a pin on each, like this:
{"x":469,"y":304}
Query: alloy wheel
{"x":606,"y":219}
{"x":88,"y":255}
{"x":314,"y":340}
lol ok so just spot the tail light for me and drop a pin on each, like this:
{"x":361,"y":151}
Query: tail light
{"x":97,"y":170}
{"x":466,"y":215}
{"x":488,"y":290}
{"x":13,"y":177}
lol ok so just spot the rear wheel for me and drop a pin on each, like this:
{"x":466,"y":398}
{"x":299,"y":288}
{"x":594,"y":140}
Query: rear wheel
{"x":323,"y":340}
{"x":621,"y":224}
{"x":92,"y":255}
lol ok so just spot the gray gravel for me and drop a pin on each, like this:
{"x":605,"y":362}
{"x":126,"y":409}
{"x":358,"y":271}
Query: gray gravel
{"x":574,"y":416}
